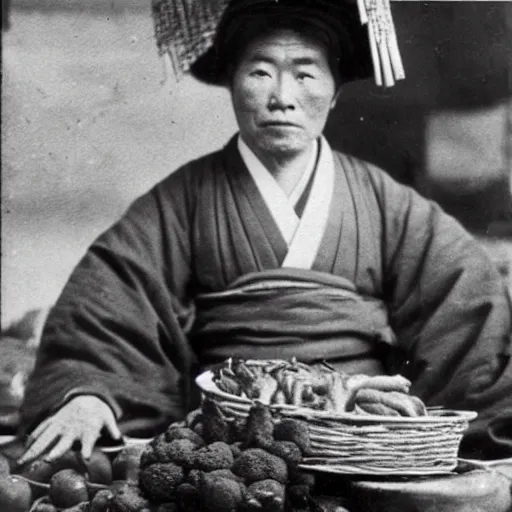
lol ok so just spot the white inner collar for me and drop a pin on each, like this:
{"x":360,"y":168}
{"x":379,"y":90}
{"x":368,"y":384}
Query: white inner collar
{"x":302,"y":235}
{"x":256,"y":168}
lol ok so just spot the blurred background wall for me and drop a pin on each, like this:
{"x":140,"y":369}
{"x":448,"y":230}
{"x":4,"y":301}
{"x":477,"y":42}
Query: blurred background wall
{"x":87,"y":125}
{"x":446,"y":129}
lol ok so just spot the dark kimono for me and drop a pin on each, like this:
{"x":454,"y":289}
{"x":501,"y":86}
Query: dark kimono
{"x":396,"y":286}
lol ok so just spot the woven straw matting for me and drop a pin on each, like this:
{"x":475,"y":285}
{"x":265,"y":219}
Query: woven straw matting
{"x":359,"y":444}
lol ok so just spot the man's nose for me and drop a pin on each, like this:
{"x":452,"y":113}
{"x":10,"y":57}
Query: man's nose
{"x":281,"y":95}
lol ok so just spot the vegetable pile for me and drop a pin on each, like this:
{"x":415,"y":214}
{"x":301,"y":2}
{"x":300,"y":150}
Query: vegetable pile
{"x":320,"y":387}
{"x":215,"y":463}
{"x":66,"y":484}
{"x":70,"y":484}
{"x":209,"y":462}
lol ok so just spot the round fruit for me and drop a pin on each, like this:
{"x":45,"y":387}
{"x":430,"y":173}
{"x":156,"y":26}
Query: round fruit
{"x":70,"y":460}
{"x":13,"y":452}
{"x":39,"y":471}
{"x":15,"y":494}
{"x":68,"y":488}
{"x":99,"y":468}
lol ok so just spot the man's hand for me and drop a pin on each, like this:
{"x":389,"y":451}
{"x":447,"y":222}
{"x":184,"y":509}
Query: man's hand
{"x":81,"y":419}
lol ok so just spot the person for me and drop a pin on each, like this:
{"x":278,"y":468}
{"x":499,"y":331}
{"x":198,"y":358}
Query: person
{"x":275,"y":246}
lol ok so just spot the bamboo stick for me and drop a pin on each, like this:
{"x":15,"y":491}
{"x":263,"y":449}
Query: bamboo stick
{"x":396,"y":59}
{"x":375,"y":57}
{"x":363,"y":15}
{"x":385,"y":63}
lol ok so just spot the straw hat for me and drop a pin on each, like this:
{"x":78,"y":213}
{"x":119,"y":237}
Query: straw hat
{"x":336,"y":23}
{"x":204,"y":36}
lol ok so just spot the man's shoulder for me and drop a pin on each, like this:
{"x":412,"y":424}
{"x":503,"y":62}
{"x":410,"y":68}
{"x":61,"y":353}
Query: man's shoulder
{"x":178,"y":191}
{"x":360,"y":170}
{"x":371,"y":174}
{"x":195,"y":169}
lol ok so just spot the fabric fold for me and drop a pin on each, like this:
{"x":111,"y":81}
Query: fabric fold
{"x":303,"y":313}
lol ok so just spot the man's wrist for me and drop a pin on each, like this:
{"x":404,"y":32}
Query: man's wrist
{"x":84,"y":391}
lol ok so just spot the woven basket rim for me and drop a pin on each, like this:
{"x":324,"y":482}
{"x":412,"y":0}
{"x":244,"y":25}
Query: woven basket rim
{"x":436,"y":415}
{"x":363,"y":470}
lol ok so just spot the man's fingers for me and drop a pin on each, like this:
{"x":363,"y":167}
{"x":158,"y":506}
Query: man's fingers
{"x":88,"y":441}
{"x":111,"y":424}
{"x":60,"y":448}
{"x":38,"y":430}
{"x":40,"y":445}
{"x":81,"y":419}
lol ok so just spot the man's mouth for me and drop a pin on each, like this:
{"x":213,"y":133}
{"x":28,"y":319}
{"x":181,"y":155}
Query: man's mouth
{"x":279,"y":124}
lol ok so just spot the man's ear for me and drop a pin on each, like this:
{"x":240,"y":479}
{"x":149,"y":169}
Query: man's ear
{"x":335,"y":98}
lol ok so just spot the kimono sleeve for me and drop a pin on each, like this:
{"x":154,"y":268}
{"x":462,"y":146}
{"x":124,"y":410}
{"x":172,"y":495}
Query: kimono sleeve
{"x":118,"y":329}
{"x":451,"y":311}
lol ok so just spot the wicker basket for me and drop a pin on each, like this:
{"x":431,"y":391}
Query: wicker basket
{"x":365,"y":444}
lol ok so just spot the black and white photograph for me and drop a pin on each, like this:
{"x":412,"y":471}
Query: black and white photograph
{"x":256,"y":256}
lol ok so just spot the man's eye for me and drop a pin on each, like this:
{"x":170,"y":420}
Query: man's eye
{"x":303,"y":76}
{"x":259,"y":73}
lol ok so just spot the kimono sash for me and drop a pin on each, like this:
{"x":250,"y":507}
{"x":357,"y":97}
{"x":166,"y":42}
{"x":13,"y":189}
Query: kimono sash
{"x":285,"y":313}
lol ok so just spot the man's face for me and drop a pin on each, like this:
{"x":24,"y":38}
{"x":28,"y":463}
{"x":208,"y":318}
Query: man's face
{"x":282,"y":92}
